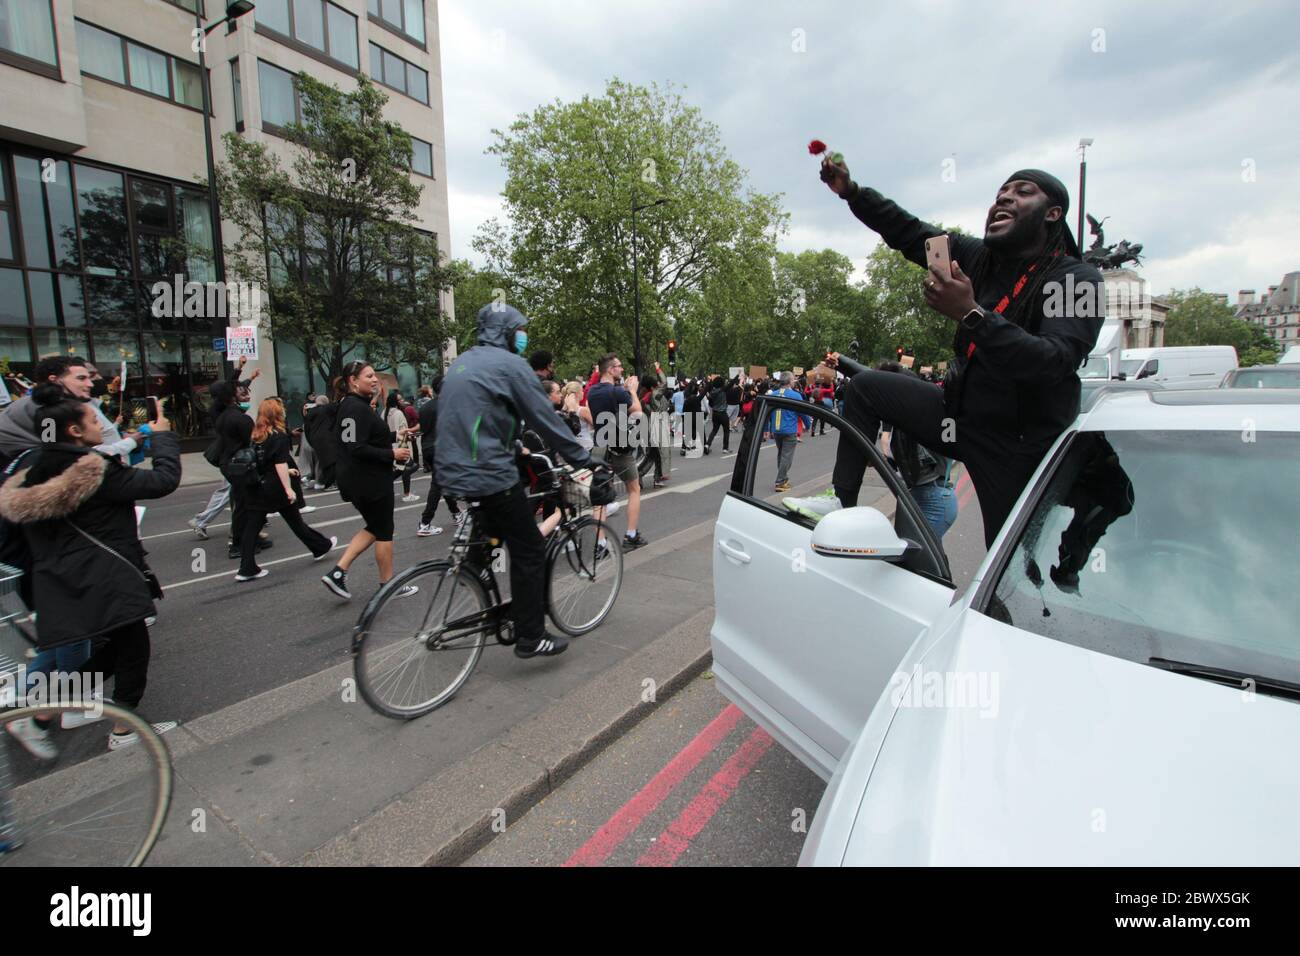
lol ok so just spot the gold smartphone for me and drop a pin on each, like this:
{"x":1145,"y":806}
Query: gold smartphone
{"x":937,"y":255}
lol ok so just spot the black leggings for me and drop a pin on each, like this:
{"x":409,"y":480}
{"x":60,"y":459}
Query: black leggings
{"x":124,"y":656}
{"x":1000,"y":465}
{"x":720,"y":421}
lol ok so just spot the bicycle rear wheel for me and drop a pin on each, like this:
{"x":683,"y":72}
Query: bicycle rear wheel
{"x":582,"y":578}
{"x":85,"y":807}
{"x":412,"y":654}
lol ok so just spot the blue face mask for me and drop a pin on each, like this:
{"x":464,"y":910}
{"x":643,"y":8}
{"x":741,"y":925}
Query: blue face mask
{"x":521,"y":341}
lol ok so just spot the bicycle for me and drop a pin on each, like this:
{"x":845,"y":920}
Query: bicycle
{"x":77,"y":809}
{"x":402,"y":645}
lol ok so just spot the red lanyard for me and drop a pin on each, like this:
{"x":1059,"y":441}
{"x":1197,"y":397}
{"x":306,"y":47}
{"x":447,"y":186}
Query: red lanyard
{"x":1006,"y":301}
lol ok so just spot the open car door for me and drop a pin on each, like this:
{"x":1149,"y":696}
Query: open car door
{"x":805,"y":644}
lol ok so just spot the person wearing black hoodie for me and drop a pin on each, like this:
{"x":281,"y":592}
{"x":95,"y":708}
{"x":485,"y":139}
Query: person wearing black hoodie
{"x":76,"y":509}
{"x":1026,"y":311}
{"x":717,"y":398}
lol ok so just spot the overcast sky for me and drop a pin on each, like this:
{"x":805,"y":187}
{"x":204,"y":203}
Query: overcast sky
{"x":1192,"y":107}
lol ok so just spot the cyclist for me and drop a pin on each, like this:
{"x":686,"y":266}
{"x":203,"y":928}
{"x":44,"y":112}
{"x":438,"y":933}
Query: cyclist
{"x":485,"y":394}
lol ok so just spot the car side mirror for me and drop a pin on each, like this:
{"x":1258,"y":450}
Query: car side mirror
{"x":857,"y":533}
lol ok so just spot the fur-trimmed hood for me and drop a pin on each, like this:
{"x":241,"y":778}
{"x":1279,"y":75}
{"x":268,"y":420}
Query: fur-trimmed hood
{"x":59,"y":495}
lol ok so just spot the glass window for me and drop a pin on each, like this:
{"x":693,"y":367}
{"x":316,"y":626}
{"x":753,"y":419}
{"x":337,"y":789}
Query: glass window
{"x":15,"y":345}
{"x":309,"y":22}
{"x":63,"y":219}
{"x":101,"y":205}
{"x":238,"y":91}
{"x":44,"y":311}
{"x":373,"y":6}
{"x":376,"y":63}
{"x":148,"y":70}
{"x":13,"y":300}
{"x":31,"y":206}
{"x":150,"y":205}
{"x":27,"y":28}
{"x":62,"y":342}
{"x":343,"y":35}
{"x":414,"y":24}
{"x":74,"y":307}
{"x":110,"y":303}
{"x":113,"y":348}
{"x":274,"y":14}
{"x":100,"y":52}
{"x":194,"y":217}
{"x":1128,"y":560}
{"x":417,"y":83}
{"x":391,"y":10}
{"x":276,"y":88}
{"x":395,"y":71}
{"x":6,"y":236}
{"x":421,"y":157}
{"x":187,"y":83}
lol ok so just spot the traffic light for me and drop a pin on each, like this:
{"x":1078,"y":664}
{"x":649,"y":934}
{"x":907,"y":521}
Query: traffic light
{"x":672,"y":351}
{"x":900,"y":351}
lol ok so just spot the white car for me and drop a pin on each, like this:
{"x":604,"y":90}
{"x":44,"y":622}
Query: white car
{"x":1119,"y":685}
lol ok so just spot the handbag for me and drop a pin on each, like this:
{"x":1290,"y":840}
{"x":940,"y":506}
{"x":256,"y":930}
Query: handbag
{"x":150,"y":579}
{"x":212,"y":454}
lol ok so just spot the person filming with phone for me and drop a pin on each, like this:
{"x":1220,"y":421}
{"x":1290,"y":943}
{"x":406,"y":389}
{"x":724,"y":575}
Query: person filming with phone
{"x":1020,"y":332}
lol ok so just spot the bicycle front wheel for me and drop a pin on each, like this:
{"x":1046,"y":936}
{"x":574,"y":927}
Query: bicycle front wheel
{"x":413,"y":653}
{"x":584,"y":571}
{"x":82,"y":806}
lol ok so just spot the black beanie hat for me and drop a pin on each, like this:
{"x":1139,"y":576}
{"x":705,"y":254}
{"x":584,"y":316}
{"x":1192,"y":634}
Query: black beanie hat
{"x":1057,"y":195}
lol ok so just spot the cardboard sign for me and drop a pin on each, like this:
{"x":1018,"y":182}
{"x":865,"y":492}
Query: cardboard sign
{"x":734,"y":371}
{"x":758,"y":371}
{"x":943,"y":366}
{"x":241,"y":341}
{"x":797,"y":370}
{"x":907,"y":361}
{"x":926,"y":370}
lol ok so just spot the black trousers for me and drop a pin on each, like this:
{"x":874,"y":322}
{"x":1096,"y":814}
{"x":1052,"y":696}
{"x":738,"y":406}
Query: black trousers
{"x":435,"y":492}
{"x":123,"y":654}
{"x":238,"y":513}
{"x":720,"y":421}
{"x":1000,"y":464}
{"x":508,"y":515}
{"x":316,"y":542}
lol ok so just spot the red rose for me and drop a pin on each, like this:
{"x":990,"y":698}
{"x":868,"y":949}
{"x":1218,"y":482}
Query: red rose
{"x":817,"y":147}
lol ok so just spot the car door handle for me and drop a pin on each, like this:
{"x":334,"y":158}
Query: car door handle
{"x":736,"y":554}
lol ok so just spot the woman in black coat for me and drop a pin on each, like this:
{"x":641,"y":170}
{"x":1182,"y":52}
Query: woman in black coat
{"x":76,"y":509}
{"x":365,"y":475}
{"x":319,"y":427}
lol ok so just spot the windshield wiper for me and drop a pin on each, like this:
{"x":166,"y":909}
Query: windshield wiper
{"x":1230,"y":678}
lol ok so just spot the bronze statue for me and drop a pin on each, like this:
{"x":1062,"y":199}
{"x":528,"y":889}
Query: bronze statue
{"x":1110,"y":257}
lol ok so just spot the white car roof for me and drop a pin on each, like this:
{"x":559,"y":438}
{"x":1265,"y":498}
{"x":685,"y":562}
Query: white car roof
{"x":1205,"y":409}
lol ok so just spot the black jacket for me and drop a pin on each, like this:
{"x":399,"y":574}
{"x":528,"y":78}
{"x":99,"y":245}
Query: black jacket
{"x":428,"y":415}
{"x":81,"y":588}
{"x":235,"y":429}
{"x":1021,"y":383}
{"x":365,"y":465}
{"x":318,"y":423}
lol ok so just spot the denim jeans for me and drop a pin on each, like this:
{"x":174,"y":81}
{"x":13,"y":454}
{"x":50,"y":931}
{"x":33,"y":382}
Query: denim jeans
{"x":216,"y":505}
{"x":938,"y":503}
{"x":64,"y":659}
{"x":784,"y":456}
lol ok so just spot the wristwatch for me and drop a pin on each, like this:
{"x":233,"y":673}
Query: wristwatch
{"x":973,"y":319}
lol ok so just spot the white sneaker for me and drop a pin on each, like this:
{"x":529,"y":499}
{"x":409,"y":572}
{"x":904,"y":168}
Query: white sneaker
{"x":306,"y":509}
{"x":118,"y":741}
{"x":426,"y":530}
{"x":611,"y":509}
{"x":409,"y":498}
{"x":71,"y":720}
{"x":241,"y":578}
{"x":408,"y":590}
{"x":151,"y":620}
{"x":333,"y":543}
{"x":35,"y":740}
{"x":815,"y":507}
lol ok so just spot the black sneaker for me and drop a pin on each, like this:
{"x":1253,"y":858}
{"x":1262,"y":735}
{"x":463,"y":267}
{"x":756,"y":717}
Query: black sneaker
{"x":548,"y":645}
{"x":632,"y":542}
{"x":234,"y":554}
{"x":337,"y":581}
{"x":263,"y":544}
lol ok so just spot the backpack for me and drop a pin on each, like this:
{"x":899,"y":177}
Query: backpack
{"x":242,"y":468}
{"x":212,"y":454}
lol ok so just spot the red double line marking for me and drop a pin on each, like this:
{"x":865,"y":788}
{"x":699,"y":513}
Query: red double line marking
{"x":630,"y":816}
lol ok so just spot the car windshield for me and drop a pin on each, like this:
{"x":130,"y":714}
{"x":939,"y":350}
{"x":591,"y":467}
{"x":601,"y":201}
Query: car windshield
{"x":1130,"y":366}
{"x":1266,"y":378}
{"x":1166,"y":544}
{"x":1097,"y":366}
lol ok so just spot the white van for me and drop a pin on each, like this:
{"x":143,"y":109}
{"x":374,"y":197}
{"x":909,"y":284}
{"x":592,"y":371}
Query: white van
{"x":1192,"y":366}
{"x":1103,"y":362}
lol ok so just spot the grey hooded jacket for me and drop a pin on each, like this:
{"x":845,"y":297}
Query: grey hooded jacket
{"x":485,"y":394}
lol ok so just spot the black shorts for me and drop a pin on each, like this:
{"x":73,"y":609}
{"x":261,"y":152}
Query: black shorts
{"x":378,"y":515}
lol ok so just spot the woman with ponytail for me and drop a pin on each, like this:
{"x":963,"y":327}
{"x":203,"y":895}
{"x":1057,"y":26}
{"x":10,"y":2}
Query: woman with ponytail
{"x":76,"y":509}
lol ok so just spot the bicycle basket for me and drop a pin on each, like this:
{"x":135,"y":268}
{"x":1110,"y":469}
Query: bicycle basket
{"x":575,"y":489}
{"x":17,"y":635}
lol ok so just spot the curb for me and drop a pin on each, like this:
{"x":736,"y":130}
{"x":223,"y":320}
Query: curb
{"x":450,"y":817}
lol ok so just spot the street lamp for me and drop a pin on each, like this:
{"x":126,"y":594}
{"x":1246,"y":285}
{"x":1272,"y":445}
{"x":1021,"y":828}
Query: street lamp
{"x":234,"y":10}
{"x":1083,"y":172}
{"x":636,"y":281}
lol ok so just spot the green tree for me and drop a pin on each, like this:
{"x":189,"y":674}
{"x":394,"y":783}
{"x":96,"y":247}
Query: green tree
{"x":818,"y":307}
{"x":573,"y":173}
{"x":333,"y":237}
{"x":897,"y":300}
{"x":1202,"y":318}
